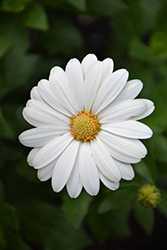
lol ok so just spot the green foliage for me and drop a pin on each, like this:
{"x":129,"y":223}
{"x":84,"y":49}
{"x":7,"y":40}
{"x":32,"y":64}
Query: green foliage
{"x":47,"y":226}
{"x":17,"y":5}
{"x":76,"y":209}
{"x":34,"y":37}
{"x":144,"y":216}
{"x":35,"y":17}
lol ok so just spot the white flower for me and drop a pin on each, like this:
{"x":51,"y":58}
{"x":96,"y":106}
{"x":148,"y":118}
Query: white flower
{"x":86,"y":126}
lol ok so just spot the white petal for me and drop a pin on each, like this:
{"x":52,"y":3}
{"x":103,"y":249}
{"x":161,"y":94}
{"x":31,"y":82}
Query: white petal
{"x":109,"y":90}
{"x":123,"y":111}
{"x":123,"y":149}
{"x":45,"y":173}
{"x":108,"y":66}
{"x":35,"y":94}
{"x":48,"y":95}
{"x":64,"y":166}
{"x":109,"y":184}
{"x":105,"y":162}
{"x":32,"y":155}
{"x":40,"y":114}
{"x":75,"y":77}
{"x":38,"y":137}
{"x":62,"y":89}
{"x":149,"y":109}
{"x":92,"y":83}
{"x":87,"y":62}
{"x":74,"y":185}
{"x":127,"y":172}
{"x":88,"y":170}
{"x":129,"y":92}
{"x":130,"y":129}
{"x":51,"y":150}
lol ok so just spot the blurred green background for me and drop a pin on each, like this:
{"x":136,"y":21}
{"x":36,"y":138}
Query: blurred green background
{"x":34,"y":37}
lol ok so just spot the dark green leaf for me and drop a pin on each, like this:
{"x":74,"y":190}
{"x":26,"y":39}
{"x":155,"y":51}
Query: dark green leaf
{"x":63,"y":38}
{"x":105,"y":7}
{"x":113,"y":224}
{"x":160,"y":144}
{"x":8,"y":216}
{"x":79,"y":4}
{"x":117,"y":199}
{"x":76,"y":209}
{"x":16,"y":5}
{"x":14,"y":241}
{"x":142,"y":169}
{"x":2,"y":240}
{"x":140,"y":51}
{"x":4,"y":45}
{"x":27,"y":172}
{"x":47,"y":226}
{"x":144,"y":216}
{"x":36,"y":18}
{"x":158,"y":43}
{"x":1,"y":191}
{"x":162,"y":207}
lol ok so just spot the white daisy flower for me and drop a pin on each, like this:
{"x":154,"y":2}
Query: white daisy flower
{"x":86,"y":127}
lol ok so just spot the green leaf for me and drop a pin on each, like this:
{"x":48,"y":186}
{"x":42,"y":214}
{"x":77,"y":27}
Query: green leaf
{"x":14,"y":78}
{"x":2,"y":240}
{"x":140,"y":51}
{"x":76,"y":209}
{"x":116,"y":200}
{"x":14,"y":241}
{"x":105,"y":7}
{"x":27,"y":172}
{"x":8,"y":216}
{"x":158,"y":43}
{"x":36,"y":18}
{"x":4,"y":45}
{"x":113,"y":224}
{"x":144,"y":216}
{"x":47,"y":226}
{"x":161,"y":17}
{"x":162,"y":207}
{"x":1,"y":191}
{"x":79,"y":4}
{"x":14,"y":5}
{"x":2,"y":124}
{"x":61,"y":38}
{"x":142,"y":169}
{"x":160,"y":147}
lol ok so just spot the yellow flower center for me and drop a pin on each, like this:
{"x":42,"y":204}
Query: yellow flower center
{"x":84,"y":126}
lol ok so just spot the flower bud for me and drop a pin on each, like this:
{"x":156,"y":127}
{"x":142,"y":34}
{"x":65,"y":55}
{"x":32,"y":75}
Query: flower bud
{"x":149,"y":196}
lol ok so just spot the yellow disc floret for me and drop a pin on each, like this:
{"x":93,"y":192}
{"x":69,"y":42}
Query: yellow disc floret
{"x":84,"y":126}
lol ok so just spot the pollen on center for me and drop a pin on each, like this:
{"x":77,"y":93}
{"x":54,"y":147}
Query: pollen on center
{"x":84,"y":126}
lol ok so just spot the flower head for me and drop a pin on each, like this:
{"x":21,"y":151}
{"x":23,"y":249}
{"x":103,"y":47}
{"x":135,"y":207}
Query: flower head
{"x":86,"y":127}
{"x":148,"y":196}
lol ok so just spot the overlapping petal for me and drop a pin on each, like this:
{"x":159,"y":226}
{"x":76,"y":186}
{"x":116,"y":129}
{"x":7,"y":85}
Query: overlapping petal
{"x":123,"y":149}
{"x":109,"y":90}
{"x":62,"y":89}
{"x":87,"y":62}
{"x":91,"y":84}
{"x":38,"y":137}
{"x":51,"y":150}
{"x":105,"y":162}
{"x":130,"y":129}
{"x":45,"y":173}
{"x":76,"y":79}
{"x":64,"y":166}
{"x":123,"y":111}
{"x":88,"y":170}
{"x":49,"y":97}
